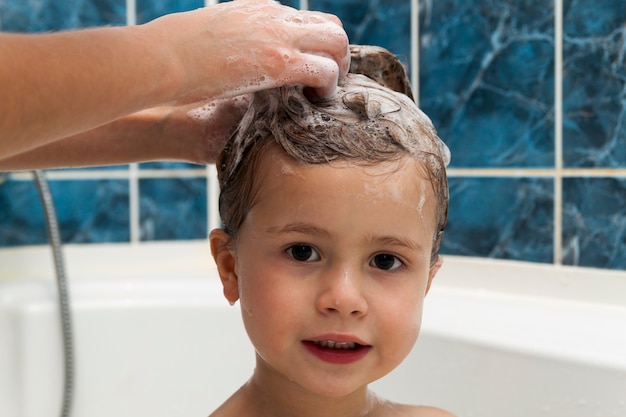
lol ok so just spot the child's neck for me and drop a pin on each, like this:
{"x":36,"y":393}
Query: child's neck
{"x":271,"y":398}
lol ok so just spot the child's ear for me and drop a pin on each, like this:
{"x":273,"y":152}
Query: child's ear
{"x":222,"y":251}
{"x":434,"y":268}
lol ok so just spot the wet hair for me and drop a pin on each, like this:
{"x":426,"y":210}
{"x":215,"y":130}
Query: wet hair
{"x":364,"y":123}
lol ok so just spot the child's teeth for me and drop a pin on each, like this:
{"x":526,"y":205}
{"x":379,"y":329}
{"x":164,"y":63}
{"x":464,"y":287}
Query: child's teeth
{"x":336,"y":345}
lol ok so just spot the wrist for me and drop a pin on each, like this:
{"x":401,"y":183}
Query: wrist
{"x":163,"y":63}
{"x":184,"y":138}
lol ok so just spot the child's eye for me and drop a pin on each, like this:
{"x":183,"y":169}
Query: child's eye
{"x":385,"y":261}
{"x":303,"y":253}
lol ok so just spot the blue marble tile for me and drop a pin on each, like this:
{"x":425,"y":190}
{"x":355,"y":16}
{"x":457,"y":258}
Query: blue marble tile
{"x":173,"y":208}
{"x":506,"y":218}
{"x":89,"y":211}
{"x":594,"y":222}
{"x":92,"y":211}
{"x":385,"y":23}
{"x":21,"y":215}
{"x":594,"y":81}
{"x":149,"y":9}
{"x":170,"y":165}
{"x":487,"y":80}
{"x":45,"y":15}
{"x":293,"y":3}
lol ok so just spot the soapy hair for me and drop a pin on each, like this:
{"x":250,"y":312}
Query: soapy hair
{"x":364,"y":123}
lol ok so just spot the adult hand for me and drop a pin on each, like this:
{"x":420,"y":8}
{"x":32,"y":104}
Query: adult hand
{"x":244,"y":46}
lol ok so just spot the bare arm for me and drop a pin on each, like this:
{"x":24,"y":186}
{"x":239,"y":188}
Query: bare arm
{"x":55,"y":86}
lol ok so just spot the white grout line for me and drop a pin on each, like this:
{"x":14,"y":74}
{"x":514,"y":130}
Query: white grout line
{"x":304,"y":4}
{"x":131,"y":12}
{"x":213,"y":219}
{"x":133,"y":181}
{"x":62,"y":175}
{"x":558,"y":132}
{"x":210,"y":2}
{"x":133,"y":196}
{"x":415,"y":58}
{"x":537,"y":172}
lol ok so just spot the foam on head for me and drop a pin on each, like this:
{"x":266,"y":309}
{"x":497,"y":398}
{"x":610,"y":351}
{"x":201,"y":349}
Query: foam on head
{"x":361,"y":121}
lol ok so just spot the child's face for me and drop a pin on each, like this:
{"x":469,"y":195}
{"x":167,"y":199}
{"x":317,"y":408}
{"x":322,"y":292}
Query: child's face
{"x":331,"y":253}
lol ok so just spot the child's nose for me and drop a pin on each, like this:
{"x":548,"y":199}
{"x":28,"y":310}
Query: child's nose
{"x":341,"y":292}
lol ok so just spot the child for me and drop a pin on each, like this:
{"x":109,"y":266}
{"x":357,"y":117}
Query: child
{"x":333,"y":214}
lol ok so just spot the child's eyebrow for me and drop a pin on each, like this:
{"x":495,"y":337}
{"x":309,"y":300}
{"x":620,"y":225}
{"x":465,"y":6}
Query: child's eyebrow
{"x":303,"y":228}
{"x":395,"y":241}
{"x":308,"y":229}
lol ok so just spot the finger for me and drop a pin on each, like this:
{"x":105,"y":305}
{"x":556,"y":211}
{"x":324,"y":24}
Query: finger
{"x":326,"y":38}
{"x":319,"y":72}
{"x":328,"y":16}
{"x":311,"y":32}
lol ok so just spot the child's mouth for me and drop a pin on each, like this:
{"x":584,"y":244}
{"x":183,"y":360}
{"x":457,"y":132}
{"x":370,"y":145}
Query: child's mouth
{"x":336,"y":345}
{"x":337,"y":352}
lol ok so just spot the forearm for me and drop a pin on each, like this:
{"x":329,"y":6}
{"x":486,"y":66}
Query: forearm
{"x":194,"y":133}
{"x":114,"y":71}
{"x":144,"y":136}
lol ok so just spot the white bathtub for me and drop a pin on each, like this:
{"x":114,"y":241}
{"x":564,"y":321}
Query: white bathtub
{"x":154,"y":337}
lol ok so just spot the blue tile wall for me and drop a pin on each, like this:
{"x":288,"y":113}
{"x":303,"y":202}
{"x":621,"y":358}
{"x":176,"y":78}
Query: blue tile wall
{"x":168,"y":165}
{"x":506,"y":218}
{"x":92,"y":211}
{"x":89,"y":211}
{"x":290,"y":3}
{"x":148,"y":9}
{"x":594,"y":82}
{"x":594,"y":224}
{"x":488,"y":78}
{"x":374,"y":22}
{"x":21,"y":214}
{"x":46,"y":15}
{"x":173,"y":208}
